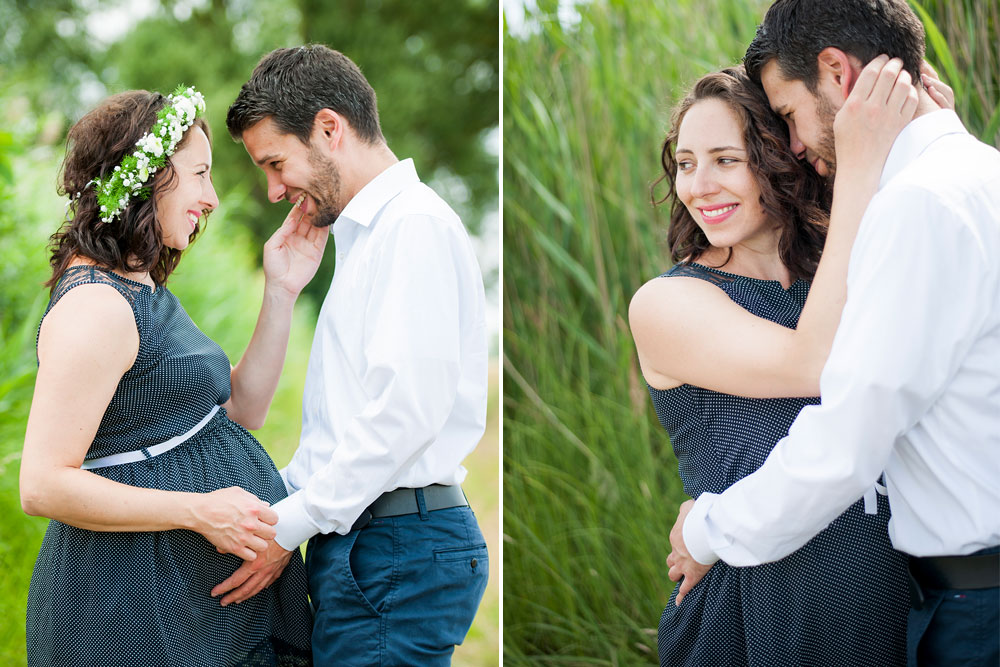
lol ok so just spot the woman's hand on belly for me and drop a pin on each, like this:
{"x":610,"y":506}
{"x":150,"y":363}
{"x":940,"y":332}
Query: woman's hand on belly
{"x":234,"y":520}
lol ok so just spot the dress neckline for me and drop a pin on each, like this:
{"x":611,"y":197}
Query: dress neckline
{"x":114,"y":275}
{"x":742,"y":277}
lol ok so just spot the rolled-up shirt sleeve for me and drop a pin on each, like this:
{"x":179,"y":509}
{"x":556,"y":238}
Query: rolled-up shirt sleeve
{"x":410,"y":378}
{"x":913,"y":310}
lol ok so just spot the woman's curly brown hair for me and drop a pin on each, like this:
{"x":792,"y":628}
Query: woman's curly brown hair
{"x":791,"y":193}
{"x":95,"y":145}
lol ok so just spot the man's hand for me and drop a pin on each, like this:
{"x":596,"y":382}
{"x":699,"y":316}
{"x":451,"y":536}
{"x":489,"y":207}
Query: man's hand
{"x":680,"y":561}
{"x":254,"y":576}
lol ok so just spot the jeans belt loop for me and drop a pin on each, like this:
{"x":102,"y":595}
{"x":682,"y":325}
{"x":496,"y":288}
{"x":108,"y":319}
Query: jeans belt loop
{"x":421,"y":504}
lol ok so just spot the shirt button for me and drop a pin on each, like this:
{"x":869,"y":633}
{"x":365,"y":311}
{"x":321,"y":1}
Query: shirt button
{"x":474,"y":563}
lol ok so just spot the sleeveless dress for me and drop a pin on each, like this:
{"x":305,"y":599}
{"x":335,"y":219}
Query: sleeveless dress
{"x":839,"y":601}
{"x":142,"y":598}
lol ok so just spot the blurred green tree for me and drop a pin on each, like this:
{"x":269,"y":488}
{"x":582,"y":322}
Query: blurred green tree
{"x":434,"y":66}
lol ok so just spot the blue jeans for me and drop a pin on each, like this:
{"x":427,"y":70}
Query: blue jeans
{"x":402,"y":590}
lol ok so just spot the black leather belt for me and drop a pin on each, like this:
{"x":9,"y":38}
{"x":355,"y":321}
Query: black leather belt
{"x":972,"y":572}
{"x":399,"y":502}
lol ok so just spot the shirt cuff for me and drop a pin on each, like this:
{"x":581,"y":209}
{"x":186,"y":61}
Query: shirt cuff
{"x":294,"y":526}
{"x":695,"y":530}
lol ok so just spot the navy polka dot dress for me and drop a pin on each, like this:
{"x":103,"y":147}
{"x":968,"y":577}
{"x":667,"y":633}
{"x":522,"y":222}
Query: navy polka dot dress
{"x":839,"y":601}
{"x":142,"y":599}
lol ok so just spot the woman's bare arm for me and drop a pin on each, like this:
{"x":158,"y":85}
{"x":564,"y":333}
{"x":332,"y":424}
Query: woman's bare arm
{"x":86,"y":343}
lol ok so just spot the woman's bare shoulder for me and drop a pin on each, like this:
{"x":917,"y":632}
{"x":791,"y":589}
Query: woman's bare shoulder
{"x":674,"y":296}
{"x":90,"y":318}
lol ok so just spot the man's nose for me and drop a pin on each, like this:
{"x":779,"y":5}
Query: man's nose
{"x":275,"y":189}
{"x":798,"y":148}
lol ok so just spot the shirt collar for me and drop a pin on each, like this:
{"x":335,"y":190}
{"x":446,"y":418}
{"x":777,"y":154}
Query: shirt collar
{"x":916,"y":137}
{"x":370,"y":199}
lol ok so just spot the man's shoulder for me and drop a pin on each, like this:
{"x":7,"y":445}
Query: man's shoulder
{"x":949,"y":170}
{"x":418,"y":201}
{"x":950,"y":191}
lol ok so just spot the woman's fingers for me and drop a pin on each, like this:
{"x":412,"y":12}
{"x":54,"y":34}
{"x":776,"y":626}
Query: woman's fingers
{"x":942,"y":94}
{"x":267,"y":514}
{"x":265,"y":532}
{"x":869,"y":76}
{"x":887,"y":81}
{"x":903,"y":96}
{"x":927,"y":69}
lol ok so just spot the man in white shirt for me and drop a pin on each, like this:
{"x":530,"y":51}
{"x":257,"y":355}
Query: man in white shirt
{"x":912,"y":383}
{"x":395,"y":394}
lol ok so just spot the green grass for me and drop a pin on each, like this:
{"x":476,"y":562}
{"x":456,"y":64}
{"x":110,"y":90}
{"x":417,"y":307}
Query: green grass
{"x":590,"y":482}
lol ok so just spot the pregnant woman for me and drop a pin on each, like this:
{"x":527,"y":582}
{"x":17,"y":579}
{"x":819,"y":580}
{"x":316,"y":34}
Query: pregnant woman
{"x":136,"y":444}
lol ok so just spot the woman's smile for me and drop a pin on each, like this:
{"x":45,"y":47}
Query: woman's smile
{"x":713,"y":215}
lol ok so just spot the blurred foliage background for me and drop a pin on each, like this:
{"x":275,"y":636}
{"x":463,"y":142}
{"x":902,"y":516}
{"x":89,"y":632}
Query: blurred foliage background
{"x":590,"y":481}
{"x":435,"y":68}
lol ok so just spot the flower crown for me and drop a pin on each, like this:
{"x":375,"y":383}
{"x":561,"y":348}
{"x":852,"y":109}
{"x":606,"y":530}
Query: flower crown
{"x":128,"y":179}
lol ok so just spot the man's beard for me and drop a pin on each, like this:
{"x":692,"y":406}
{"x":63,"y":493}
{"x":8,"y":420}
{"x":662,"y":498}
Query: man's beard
{"x":826,"y":150}
{"x":325,"y":189}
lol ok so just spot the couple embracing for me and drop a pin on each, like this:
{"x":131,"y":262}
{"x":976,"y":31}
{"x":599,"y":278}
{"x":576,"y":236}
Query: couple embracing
{"x":825,"y":350}
{"x":174,"y":540}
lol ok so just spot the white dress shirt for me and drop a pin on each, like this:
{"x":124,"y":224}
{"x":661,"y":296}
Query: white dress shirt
{"x":395,"y":392}
{"x":912,"y":384}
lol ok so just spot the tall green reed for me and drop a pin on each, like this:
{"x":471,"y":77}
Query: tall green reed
{"x":590,"y":485}
{"x":963,"y":41}
{"x":590,"y":482}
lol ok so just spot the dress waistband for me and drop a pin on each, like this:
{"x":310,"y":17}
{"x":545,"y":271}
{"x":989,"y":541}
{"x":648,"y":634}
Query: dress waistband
{"x":148,"y":452}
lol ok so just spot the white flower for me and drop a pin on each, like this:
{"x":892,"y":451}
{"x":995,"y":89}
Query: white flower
{"x":154,"y":145}
{"x":161,"y":139}
{"x":185,"y":108}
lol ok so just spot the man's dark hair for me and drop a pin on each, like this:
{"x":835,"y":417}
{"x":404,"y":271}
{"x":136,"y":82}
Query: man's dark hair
{"x":291,"y":85}
{"x":795,"y":31}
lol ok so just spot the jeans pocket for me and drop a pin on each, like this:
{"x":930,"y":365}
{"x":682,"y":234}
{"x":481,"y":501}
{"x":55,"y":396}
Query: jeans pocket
{"x":475,"y":555}
{"x":369,"y":566}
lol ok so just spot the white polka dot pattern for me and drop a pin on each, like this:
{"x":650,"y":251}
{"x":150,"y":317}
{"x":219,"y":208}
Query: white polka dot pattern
{"x":142,"y":599}
{"x":839,"y":601}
